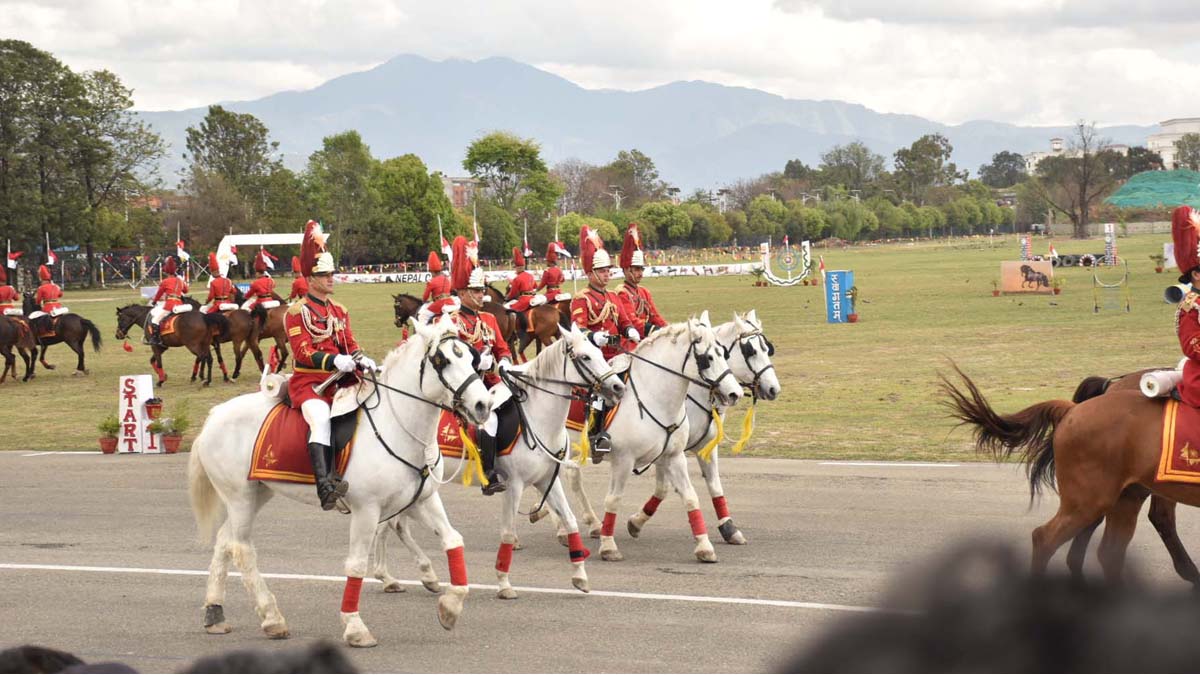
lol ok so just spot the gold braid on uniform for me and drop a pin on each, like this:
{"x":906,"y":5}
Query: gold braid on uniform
{"x":608,"y":311}
{"x":318,"y":334}
{"x":481,"y":331}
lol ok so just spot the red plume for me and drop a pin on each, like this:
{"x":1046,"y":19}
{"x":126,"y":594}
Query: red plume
{"x":460,"y":264}
{"x":435,"y":263}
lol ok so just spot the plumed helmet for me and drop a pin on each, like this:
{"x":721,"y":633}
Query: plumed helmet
{"x":260,"y":265}
{"x":591,"y":249}
{"x":476,"y":280}
{"x":631,"y":250}
{"x":461,"y":264}
{"x":296,"y":269}
{"x":435,"y":263}
{"x":3,"y":275}
{"x":518,"y":257}
{"x":1185,"y":232}
{"x":214,"y":267}
{"x":551,"y":253}
{"x":168,"y":266}
{"x":314,"y":258}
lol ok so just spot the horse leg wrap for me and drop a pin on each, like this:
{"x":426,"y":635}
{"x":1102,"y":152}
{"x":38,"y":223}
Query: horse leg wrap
{"x":575,"y":544}
{"x":458,"y":566}
{"x":350,"y":595}
{"x":213,"y":615}
{"x":697,"y":520}
{"x":727,"y":529}
{"x":721,"y":507}
{"x":504,"y":557}
{"x":195,"y":369}
{"x":609,"y":524}
{"x":651,"y":505}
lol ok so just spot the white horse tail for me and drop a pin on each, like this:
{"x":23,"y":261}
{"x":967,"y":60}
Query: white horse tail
{"x":207,"y":507}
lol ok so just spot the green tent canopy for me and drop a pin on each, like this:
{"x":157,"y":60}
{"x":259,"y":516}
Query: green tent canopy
{"x":1151,"y":189}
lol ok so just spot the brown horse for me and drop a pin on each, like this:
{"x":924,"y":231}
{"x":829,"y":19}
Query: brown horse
{"x":14,"y":333}
{"x":243,"y":335}
{"x":544,"y":321}
{"x":1094,"y":450}
{"x":493,"y":302}
{"x":194,"y":330}
{"x":1162,"y":510}
{"x":70,"y":328}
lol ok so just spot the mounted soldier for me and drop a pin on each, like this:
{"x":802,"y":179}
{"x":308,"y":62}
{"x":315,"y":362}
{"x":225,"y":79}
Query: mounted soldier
{"x":47,"y":297}
{"x":600,"y":312}
{"x":480,"y":330}
{"x":168,"y":300}
{"x":220,"y":290}
{"x":299,"y":283}
{"x":10,"y":301}
{"x":437,"y":295}
{"x":262,"y":289}
{"x":552,"y":279}
{"x":322,"y":343}
{"x":638,"y":303}
{"x":1185,"y":231}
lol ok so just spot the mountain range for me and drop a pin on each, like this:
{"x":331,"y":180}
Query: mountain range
{"x":699,"y":134}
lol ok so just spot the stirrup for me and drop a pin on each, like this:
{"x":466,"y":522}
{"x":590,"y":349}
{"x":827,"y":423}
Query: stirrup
{"x":495,"y":485}
{"x":331,"y":492}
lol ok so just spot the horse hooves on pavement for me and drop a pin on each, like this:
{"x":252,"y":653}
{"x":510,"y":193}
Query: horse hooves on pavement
{"x":612,"y":556}
{"x":394,"y":587}
{"x":634,"y":528}
{"x":562,"y":539}
{"x":706,"y":556}
{"x":506,"y":593}
{"x":581,"y":584}
{"x":277,"y":631}
{"x":362,"y":640}
{"x":432,"y":586}
{"x":218,"y":629}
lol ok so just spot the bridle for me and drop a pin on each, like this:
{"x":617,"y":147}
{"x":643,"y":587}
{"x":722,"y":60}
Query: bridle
{"x":128,"y":309}
{"x":745,"y":343}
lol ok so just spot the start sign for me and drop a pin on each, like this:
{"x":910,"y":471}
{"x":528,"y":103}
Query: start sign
{"x":133,"y":392}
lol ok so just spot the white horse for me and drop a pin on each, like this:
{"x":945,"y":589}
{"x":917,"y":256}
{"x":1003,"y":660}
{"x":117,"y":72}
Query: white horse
{"x":542,"y":392}
{"x":650,"y":428}
{"x":395,"y":467}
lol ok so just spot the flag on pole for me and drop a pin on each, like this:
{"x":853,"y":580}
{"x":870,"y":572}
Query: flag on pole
{"x":525,"y":247}
{"x":561,"y":250}
{"x":474,"y":224}
{"x":821,"y":265}
{"x":184,"y":256}
{"x":445,"y":244}
{"x":785,"y":241}
{"x":11,"y":260}
{"x":51,"y":258}
{"x":267,"y":258}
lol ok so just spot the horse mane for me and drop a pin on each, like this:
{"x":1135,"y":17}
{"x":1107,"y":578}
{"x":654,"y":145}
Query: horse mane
{"x":537,"y":365}
{"x":403,"y":348}
{"x":407,"y":295}
{"x":672,"y":331}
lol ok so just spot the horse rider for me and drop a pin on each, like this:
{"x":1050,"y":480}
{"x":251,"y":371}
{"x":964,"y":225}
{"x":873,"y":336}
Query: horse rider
{"x":552,"y":279}
{"x":439,"y":294}
{"x":10,"y":301}
{"x":1185,"y":231}
{"x":322,"y":343}
{"x":47,"y":297}
{"x":636,"y":299}
{"x":220,"y":289}
{"x":299,"y":283}
{"x":480,"y":330}
{"x":600,"y":313}
{"x":168,"y":300}
{"x":522,"y":288}
{"x":262,"y":289}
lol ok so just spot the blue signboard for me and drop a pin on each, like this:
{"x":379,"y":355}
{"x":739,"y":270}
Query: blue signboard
{"x":837,"y":295}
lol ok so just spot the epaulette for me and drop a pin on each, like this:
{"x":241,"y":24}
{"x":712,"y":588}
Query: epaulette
{"x":295,"y":308}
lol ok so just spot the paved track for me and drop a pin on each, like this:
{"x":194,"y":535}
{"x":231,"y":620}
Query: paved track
{"x":825,"y":539}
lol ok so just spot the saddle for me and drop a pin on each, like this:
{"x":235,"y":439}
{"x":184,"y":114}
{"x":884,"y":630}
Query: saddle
{"x":47,"y":326}
{"x":450,"y":440}
{"x":281,"y":447}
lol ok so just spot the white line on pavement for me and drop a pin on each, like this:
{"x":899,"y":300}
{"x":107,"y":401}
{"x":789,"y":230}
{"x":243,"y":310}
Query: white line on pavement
{"x":793,"y":604}
{"x":62,"y":452}
{"x":901,"y":465}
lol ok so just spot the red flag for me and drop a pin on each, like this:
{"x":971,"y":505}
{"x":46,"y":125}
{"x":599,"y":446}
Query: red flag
{"x":184,"y":256}
{"x":445,"y":247}
{"x":51,"y":258}
{"x":785,"y":241}
{"x":12,"y":259}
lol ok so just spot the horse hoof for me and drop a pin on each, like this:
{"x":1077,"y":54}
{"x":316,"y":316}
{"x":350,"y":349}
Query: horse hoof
{"x":612,"y":555}
{"x":393,"y":587}
{"x":706,"y":555}
{"x":356,"y":633}
{"x":517,"y":545}
{"x":79,"y":373}
{"x":47,"y":366}
{"x":582,"y":584}
{"x":277,"y":631}
{"x":562,"y":539}
{"x":449,"y":607}
{"x":594,"y":533}
{"x":218,"y":629}
{"x":539,"y":514}
{"x":633,"y":527}
{"x":432,"y":586}
{"x":736,"y":539}
{"x":363,"y":640}
{"x":506,"y":593}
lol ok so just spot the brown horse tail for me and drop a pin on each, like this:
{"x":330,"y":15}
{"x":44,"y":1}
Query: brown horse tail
{"x":93,"y":331}
{"x":1091,"y":387}
{"x":221,"y":322}
{"x":1029,"y":432}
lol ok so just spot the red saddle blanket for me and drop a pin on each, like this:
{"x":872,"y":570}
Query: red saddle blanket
{"x":577,"y":416}
{"x":281,"y":449}
{"x":48,"y":329}
{"x":1180,"y":461}
{"x":450,"y":442}
{"x":167,"y":326}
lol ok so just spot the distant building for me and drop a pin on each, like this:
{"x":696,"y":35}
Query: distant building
{"x":1058,"y":149}
{"x":460,"y":191}
{"x":1172,"y":130}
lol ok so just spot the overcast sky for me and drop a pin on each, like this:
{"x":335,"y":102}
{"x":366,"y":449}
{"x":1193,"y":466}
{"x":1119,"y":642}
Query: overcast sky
{"x":1020,"y":61}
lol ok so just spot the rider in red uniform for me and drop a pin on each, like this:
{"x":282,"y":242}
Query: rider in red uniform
{"x":440,"y":295}
{"x":600,"y":314}
{"x":220,"y":289}
{"x":299,"y":284}
{"x":1185,"y":231}
{"x":47,"y":296}
{"x":168,"y":300}
{"x":262,"y":289}
{"x":322,"y":343}
{"x":480,"y":330}
{"x":10,"y":301}
{"x":522,"y":288}
{"x":552,"y":279}
{"x":638,"y":303}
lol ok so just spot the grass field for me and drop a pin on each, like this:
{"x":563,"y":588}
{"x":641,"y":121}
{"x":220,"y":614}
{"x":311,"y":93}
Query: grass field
{"x":859,"y":391}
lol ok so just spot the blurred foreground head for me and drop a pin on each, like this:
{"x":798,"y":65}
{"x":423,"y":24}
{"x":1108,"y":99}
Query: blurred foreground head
{"x":977,"y":610}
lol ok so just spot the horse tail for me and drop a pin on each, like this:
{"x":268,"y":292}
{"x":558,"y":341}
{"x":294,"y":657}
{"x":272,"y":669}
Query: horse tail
{"x":221,"y":322}
{"x":1029,"y":432}
{"x":207,"y":508}
{"x":93,"y":331}
{"x":259,"y":314}
{"x":1091,"y":387}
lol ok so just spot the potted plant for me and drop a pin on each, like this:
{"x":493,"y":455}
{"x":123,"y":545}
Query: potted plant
{"x":154,"y":408}
{"x":109,"y":427}
{"x":172,"y":429}
{"x":1056,"y":285}
{"x":758,"y":273}
{"x":995,"y":288}
{"x":852,"y":317}
{"x":1159,"y":260}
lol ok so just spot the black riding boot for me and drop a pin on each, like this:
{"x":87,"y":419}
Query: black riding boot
{"x":487,"y":452}
{"x":598,"y":435}
{"x":329,"y":487}
{"x":153,"y":337}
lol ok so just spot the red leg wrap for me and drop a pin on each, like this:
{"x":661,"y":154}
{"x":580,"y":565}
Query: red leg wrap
{"x":350,"y":595}
{"x":609,"y":524}
{"x":504,"y":558}
{"x":697,"y":520}
{"x":195,"y":369}
{"x":458,"y":566}
{"x":575,"y":544}
{"x":721,"y":507}
{"x":651,"y":505}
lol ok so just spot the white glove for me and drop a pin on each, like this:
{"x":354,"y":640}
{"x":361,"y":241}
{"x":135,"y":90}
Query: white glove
{"x":423,"y":314}
{"x":504,"y":365}
{"x":486,"y":361}
{"x":367,"y":363}
{"x":344,"y":363}
{"x":600,"y":338}
{"x":632,"y":334}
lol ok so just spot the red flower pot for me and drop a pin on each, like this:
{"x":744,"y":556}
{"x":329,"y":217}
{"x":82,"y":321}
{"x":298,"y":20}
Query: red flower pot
{"x":1158,"y":270}
{"x":108,"y":444}
{"x":171,"y":444}
{"x":153,"y":410}
{"x":1056,"y":290}
{"x":995,"y":294}
{"x":853,"y":318}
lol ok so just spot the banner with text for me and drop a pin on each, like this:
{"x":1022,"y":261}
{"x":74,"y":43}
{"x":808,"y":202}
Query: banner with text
{"x":837,"y":295}
{"x":133,"y":391}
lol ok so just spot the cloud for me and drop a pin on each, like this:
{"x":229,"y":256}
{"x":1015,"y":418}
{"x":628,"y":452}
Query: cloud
{"x":1020,"y":61}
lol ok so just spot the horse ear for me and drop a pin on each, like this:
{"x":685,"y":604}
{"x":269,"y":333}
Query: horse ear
{"x":752,"y":316}
{"x":704,"y":320}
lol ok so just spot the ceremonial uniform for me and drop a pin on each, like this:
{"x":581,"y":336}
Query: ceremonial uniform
{"x":262,"y":292}
{"x":47,"y":296}
{"x":10,"y":301}
{"x":635,"y":299}
{"x":597,"y":310}
{"x":437,"y":289}
{"x":480,"y":330}
{"x":551,"y":282}
{"x":220,"y":289}
{"x":317,"y":332}
{"x":522,"y":288}
{"x":167,"y":300}
{"x":1185,"y":222}
{"x":300,"y":283}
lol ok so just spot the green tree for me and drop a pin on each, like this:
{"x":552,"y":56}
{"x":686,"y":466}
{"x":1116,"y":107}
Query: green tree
{"x":852,"y":166}
{"x":1187,"y":152}
{"x":804,"y":222}
{"x":848,"y":219}
{"x":1004,"y":171}
{"x":235,"y":145}
{"x":925,"y":164}
{"x":1140,"y":158}
{"x":893,"y":220}
{"x":797,"y":170}
{"x":766,"y":217}
{"x":1072,"y":183}
{"x":635,"y":174}
{"x":339,"y":180}
{"x":504,"y":163}
{"x":570,"y":224}
{"x":709,"y":227}
{"x":410,"y":202}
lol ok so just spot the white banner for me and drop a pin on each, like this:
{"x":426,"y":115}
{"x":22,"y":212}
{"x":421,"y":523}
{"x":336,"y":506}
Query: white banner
{"x":132,"y":392}
{"x":506,"y":275}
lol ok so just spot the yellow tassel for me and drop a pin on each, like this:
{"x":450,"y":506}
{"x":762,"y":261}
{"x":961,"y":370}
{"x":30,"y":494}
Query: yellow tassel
{"x":583,"y":447}
{"x":474,"y":461}
{"x":707,"y":451}
{"x":747,"y":431}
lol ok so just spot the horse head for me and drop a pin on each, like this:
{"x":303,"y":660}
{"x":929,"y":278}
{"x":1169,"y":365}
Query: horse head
{"x":456,"y":384}
{"x":751,"y":360}
{"x":405,"y":307}
{"x":129,"y":315}
{"x":708,"y":363}
{"x":589,"y":364}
